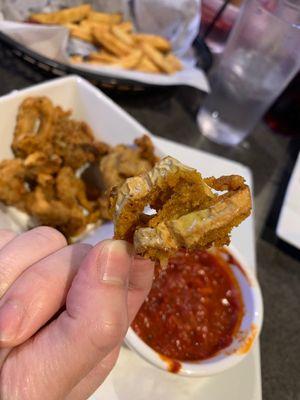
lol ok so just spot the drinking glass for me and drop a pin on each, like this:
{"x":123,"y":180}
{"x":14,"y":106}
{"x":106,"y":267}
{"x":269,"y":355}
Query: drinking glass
{"x":260,"y":59}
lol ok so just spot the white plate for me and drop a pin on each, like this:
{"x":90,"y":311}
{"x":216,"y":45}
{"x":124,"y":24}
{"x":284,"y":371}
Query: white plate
{"x":288,"y":227}
{"x":133,"y":378}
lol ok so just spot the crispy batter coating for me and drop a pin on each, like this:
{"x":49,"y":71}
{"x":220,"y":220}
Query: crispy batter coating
{"x":12,"y":187}
{"x":69,"y":220}
{"x":33,"y":126}
{"x":39,"y":163}
{"x":61,"y":175}
{"x":124,"y":162}
{"x":73,"y":14}
{"x":42,"y":127}
{"x":60,"y":202}
{"x":188,"y":214}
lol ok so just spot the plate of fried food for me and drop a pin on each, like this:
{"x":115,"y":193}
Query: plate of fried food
{"x":107,"y":44}
{"x":72,"y":159}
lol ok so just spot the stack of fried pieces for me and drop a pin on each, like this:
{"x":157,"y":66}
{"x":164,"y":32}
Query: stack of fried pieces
{"x":60,"y":174}
{"x":172,"y":207}
{"x":118,"y":45}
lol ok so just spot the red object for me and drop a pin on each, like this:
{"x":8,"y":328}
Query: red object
{"x":194,"y":308}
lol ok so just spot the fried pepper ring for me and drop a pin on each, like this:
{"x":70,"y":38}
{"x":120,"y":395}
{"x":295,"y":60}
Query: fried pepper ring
{"x":188,"y":214}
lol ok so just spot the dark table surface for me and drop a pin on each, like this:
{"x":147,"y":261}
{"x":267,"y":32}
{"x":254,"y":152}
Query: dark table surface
{"x":271,"y":157}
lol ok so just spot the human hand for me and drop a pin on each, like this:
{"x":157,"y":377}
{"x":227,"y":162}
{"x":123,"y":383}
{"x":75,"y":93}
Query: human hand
{"x":64,"y":311}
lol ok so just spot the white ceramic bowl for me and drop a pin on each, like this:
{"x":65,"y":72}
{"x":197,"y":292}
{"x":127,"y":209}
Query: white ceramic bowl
{"x":242,"y":343}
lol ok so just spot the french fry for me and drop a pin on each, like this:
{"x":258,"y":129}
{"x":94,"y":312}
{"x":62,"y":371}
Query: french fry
{"x":157,"y":42}
{"x":111,"y":43}
{"x":122,"y":35}
{"x":80,"y":32}
{"x":103,"y":57}
{"x":126,"y":26}
{"x":87,"y":24}
{"x":65,"y":16}
{"x":174,"y":61}
{"x":119,"y":45}
{"x":146,"y":65}
{"x":130,"y":61}
{"x":76,"y":58}
{"x":106,"y":18}
{"x":157,"y":58}
{"x":126,"y":62}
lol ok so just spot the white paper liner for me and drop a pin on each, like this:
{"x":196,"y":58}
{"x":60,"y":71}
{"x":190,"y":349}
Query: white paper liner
{"x":176,"y":20}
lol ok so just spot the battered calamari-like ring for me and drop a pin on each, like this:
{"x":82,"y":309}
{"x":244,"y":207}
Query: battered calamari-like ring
{"x":34,"y":121}
{"x":188,"y":214}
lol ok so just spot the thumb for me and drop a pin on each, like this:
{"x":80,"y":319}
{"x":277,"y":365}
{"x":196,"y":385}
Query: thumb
{"x":94,"y":322}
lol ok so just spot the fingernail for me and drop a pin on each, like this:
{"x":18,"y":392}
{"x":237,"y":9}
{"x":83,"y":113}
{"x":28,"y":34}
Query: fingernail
{"x":112,"y":261}
{"x":11,"y":316}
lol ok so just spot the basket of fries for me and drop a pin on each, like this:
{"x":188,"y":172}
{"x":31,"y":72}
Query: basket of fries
{"x":104,"y":47}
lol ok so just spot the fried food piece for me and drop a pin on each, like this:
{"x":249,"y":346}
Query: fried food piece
{"x":76,"y":58}
{"x":146,"y":65}
{"x":41,"y":127}
{"x":52,"y":212}
{"x":146,"y":149}
{"x":188,"y":213}
{"x":71,"y":190}
{"x":102,"y":57}
{"x":111,"y":43}
{"x":122,"y":35}
{"x":89,"y":25}
{"x":67,"y":15}
{"x":64,"y":16}
{"x":126,"y":26}
{"x":60,"y":202}
{"x":174,"y":61}
{"x":40,"y":163}
{"x":121,"y":163}
{"x":128,"y":62}
{"x":33,"y":126}
{"x":12,"y":184}
{"x":80,"y":32}
{"x":74,"y":142}
{"x":155,"y":41}
{"x":105,"y":18}
{"x":157,"y":58}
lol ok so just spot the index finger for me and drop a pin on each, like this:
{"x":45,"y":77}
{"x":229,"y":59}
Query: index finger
{"x":6,"y":236}
{"x":26,"y":249}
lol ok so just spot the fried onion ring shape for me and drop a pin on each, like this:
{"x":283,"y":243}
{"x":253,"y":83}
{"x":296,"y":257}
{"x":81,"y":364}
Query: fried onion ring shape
{"x":188,"y":213}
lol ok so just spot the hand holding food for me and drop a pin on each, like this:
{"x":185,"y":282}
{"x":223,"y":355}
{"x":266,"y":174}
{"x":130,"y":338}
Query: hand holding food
{"x":187,"y":212}
{"x":64,"y":311}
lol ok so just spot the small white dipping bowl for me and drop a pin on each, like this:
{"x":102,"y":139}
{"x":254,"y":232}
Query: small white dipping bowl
{"x":242,"y":343}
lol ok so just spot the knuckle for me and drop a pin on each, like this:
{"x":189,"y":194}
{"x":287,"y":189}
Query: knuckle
{"x":108,"y":334}
{"x":50,"y":234}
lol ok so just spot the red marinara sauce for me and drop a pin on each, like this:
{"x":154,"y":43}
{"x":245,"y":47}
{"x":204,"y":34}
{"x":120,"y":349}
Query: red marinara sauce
{"x":194,"y":308}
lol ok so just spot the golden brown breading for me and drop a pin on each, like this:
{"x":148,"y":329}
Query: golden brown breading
{"x":71,"y":190}
{"x":121,"y":163}
{"x":63,"y":173}
{"x":188,"y":213}
{"x":64,"y":16}
{"x":74,"y":142}
{"x":69,"y":220}
{"x":41,"y":163}
{"x":12,"y":185}
{"x":33,"y":126}
{"x":41,"y":127}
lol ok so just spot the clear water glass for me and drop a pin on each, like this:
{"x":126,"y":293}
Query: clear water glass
{"x":260,"y":59}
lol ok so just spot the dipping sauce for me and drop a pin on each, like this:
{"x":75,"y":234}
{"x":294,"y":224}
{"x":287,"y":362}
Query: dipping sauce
{"x":194,"y":308}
